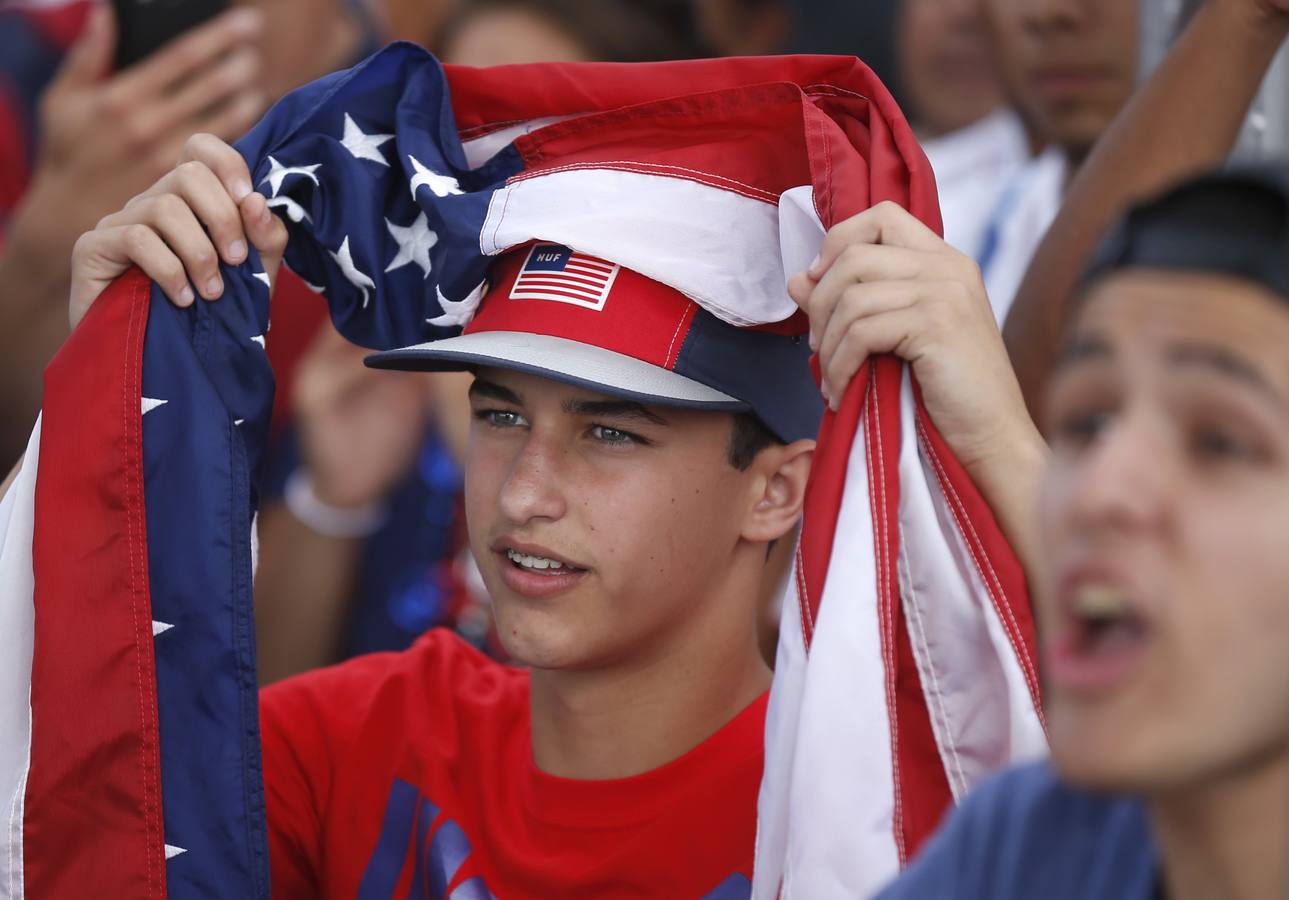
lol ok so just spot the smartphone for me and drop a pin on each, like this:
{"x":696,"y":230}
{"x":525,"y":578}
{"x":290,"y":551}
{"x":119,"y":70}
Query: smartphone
{"x":145,"y":25}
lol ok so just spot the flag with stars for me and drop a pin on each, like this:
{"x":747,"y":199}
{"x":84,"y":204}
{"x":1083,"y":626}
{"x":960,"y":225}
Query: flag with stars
{"x":129,"y":745}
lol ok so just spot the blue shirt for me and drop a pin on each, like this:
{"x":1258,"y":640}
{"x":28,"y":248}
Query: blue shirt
{"x":1025,"y":835}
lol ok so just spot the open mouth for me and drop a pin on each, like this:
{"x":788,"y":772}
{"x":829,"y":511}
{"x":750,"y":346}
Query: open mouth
{"x":540,"y":565}
{"x":1104,"y":621}
{"x":1102,"y":636}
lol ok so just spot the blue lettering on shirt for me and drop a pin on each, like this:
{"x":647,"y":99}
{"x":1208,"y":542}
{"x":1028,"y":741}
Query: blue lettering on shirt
{"x":437,"y":860}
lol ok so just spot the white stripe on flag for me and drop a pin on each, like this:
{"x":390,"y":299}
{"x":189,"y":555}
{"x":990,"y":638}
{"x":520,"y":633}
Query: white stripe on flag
{"x":17,"y":622}
{"x":981,"y":708}
{"x":736,"y":275}
{"x":827,"y":798}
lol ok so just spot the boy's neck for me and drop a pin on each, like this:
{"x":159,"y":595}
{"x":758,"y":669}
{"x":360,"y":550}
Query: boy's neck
{"x":1227,"y":838}
{"x":615,"y":722}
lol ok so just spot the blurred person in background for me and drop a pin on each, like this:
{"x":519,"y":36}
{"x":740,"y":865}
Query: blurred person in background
{"x":501,"y":32}
{"x":1185,"y":119}
{"x":361,"y":544}
{"x":77,"y":140}
{"x":953,"y":94}
{"x":847,"y":28}
{"x":418,"y":21}
{"x":742,"y":27}
{"x":1069,"y":67}
{"x":1162,"y":584}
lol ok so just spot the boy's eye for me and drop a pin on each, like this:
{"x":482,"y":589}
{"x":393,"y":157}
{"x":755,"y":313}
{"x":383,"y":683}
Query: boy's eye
{"x":1081,"y":428}
{"x":500,"y":418}
{"x":1218,"y":445}
{"x":607,"y":435}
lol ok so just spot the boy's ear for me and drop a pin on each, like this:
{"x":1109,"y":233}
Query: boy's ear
{"x":779,"y":490}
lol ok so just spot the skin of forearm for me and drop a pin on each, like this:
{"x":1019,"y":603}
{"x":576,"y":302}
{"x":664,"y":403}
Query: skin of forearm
{"x":303,"y":589}
{"x":1009,"y":481}
{"x":1184,"y":120}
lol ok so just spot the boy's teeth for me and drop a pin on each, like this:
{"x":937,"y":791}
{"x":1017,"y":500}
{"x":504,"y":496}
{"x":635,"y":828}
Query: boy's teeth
{"x":539,"y":563}
{"x":1100,"y":601}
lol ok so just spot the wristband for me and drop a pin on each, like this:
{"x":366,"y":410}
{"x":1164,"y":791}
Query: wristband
{"x":327,"y":520}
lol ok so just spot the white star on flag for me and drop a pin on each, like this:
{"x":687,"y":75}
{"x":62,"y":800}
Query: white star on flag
{"x":278,"y":172}
{"x":172,"y":851}
{"x":149,"y":404}
{"x":441,"y":185}
{"x":363,"y":146}
{"x":294,"y":211}
{"x":414,"y":243}
{"x":458,"y":312}
{"x":258,"y":339}
{"x":159,"y":627}
{"x":264,"y":277}
{"x":345,"y":260}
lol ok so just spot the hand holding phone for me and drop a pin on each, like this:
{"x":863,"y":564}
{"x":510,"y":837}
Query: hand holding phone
{"x":105,"y":137}
{"x":145,"y":26}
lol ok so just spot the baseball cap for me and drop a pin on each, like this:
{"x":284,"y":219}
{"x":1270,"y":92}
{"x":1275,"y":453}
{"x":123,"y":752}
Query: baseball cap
{"x":584,"y":320}
{"x":1235,"y":222}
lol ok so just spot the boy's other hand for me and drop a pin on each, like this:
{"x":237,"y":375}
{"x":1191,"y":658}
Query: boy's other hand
{"x":179,"y":229}
{"x":885,"y":283}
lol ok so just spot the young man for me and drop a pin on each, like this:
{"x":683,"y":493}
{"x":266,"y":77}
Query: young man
{"x":621,"y":513}
{"x":1163,"y":582}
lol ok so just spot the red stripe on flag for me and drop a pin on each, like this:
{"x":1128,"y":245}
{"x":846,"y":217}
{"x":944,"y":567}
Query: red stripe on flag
{"x":94,"y":823}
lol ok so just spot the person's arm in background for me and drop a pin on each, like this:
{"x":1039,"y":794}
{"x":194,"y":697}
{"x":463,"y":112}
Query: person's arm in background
{"x":1185,"y":119}
{"x":360,"y":431}
{"x":102,"y":139}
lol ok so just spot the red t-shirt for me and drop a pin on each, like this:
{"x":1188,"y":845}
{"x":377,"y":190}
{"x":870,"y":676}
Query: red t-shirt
{"x":411,"y":774}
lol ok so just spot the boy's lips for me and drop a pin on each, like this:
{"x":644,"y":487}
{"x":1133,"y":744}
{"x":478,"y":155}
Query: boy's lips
{"x":534,"y":571}
{"x":1100,"y":638}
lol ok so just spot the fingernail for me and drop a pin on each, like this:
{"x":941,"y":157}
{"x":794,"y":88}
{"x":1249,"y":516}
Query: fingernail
{"x":813,"y":271}
{"x":186,"y":295}
{"x":236,"y":250}
{"x":241,"y":188}
{"x":213,"y":287}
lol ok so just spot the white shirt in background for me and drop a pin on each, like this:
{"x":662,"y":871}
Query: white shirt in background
{"x":973,"y":166}
{"x":1018,"y":223}
{"x":996,"y":199}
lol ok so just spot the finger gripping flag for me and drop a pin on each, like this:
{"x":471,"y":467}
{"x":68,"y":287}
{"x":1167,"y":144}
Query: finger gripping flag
{"x":129,"y":745}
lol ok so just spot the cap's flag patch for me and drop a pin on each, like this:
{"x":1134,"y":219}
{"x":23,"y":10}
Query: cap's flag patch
{"x":554,"y":272}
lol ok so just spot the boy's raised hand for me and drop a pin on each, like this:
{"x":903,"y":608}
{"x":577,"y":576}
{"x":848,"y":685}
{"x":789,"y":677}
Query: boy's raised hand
{"x":179,"y":229}
{"x":885,"y":283}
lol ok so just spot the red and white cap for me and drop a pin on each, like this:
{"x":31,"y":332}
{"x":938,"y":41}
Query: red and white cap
{"x":584,"y":320}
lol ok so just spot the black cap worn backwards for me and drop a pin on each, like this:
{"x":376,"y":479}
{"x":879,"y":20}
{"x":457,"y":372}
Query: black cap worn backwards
{"x":1234,"y":222}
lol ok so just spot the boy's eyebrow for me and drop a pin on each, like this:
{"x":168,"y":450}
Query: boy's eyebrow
{"x":1223,"y":362}
{"x":617,"y":409}
{"x":483,"y":389}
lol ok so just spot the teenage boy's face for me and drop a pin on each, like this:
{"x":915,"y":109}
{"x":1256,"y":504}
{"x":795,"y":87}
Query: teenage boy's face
{"x":1069,"y":64}
{"x":638,"y":506}
{"x":1165,"y":591}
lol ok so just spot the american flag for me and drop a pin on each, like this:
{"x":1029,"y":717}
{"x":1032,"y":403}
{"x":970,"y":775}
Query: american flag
{"x":553,"y":272}
{"x":129,"y":744}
